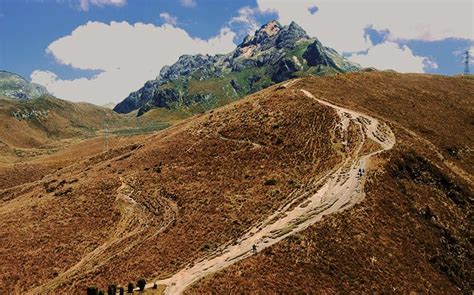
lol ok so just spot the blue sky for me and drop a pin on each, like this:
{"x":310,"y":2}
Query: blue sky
{"x":100,"y":50}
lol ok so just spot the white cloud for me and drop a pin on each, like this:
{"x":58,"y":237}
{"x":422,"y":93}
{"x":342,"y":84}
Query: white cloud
{"x":247,"y":18}
{"x":126,"y":55}
{"x":390,"y":55}
{"x":85,"y":4}
{"x":188,"y":3}
{"x":168,"y":18}
{"x":340,"y":23}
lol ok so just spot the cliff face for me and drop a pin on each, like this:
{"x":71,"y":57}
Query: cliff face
{"x":275,"y":53}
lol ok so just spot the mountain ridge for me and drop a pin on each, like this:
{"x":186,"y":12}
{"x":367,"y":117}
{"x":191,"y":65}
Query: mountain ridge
{"x":275,"y":53}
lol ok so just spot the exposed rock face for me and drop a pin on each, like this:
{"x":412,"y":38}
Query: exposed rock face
{"x":273,"y":54}
{"x":15,"y":86}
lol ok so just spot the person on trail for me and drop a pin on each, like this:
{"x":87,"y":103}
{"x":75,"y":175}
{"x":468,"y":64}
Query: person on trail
{"x":254,"y":248}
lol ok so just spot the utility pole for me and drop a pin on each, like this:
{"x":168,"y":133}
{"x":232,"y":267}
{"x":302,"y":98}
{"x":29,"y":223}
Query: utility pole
{"x":467,"y":56}
{"x":106,"y":139}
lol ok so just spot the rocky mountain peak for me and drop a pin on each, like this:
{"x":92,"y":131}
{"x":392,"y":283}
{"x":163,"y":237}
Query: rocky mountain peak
{"x":269,"y":29}
{"x":273,"y":34}
{"x":274,"y":53}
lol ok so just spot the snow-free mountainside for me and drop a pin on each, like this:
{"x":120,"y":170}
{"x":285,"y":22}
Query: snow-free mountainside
{"x":275,"y":53}
{"x":356,"y":182}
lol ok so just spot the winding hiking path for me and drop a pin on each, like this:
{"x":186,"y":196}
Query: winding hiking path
{"x":341,"y":189}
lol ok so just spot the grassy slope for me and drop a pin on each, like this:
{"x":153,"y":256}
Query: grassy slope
{"x":64,"y":120}
{"x":391,"y":239}
{"x":205,"y":175}
{"x":412,"y":233}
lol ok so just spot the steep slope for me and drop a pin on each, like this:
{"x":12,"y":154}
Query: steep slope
{"x":155,"y":206}
{"x":170,"y":202}
{"x":15,"y":86}
{"x":413,"y":232}
{"x":273,"y":54}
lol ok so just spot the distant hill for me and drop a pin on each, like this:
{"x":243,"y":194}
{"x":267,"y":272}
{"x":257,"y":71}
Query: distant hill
{"x":15,"y":86}
{"x":36,"y":123}
{"x":109,"y":105}
{"x":275,"y":53}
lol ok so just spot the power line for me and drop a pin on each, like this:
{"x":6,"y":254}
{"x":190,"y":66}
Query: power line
{"x":467,"y":56}
{"x":106,"y":138}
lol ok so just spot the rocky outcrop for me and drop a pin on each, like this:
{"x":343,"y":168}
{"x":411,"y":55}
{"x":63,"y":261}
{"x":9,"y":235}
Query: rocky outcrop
{"x":17,"y":87}
{"x":275,"y":53}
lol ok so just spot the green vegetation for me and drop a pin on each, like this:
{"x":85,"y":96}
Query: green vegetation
{"x":152,"y":127}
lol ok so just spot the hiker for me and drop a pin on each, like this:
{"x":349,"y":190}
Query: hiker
{"x":254,"y":248}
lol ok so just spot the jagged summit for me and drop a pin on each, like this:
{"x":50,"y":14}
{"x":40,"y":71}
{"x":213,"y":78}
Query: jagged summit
{"x":274,"y":53}
{"x":272,"y":34}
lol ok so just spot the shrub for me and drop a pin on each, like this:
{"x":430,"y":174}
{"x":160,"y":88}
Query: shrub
{"x":270,"y":181}
{"x":141,"y":284}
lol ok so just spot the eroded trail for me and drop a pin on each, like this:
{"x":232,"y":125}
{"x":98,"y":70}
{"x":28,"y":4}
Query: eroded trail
{"x":137,"y":224}
{"x":341,"y":189}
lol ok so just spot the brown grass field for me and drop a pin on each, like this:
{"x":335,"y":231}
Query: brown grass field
{"x":157,"y":202}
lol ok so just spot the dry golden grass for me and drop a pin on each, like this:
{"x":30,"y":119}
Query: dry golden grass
{"x":197,"y":185}
{"x":204,"y":181}
{"x":413,"y":231}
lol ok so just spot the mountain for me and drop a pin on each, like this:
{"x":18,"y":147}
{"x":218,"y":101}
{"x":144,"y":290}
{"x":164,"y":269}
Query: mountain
{"x":15,"y":86}
{"x":278,"y":169}
{"x":275,"y":53}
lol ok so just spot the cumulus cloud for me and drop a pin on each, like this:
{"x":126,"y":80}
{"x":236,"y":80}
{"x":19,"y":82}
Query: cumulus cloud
{"x":188,"y":3}
{"x":390,"y":55}
{"x":341,"y":24}
{"x":85,"y":4}
{"x":168,"y":18}
{"x":126,"y":55}
{"x":246,"y":18}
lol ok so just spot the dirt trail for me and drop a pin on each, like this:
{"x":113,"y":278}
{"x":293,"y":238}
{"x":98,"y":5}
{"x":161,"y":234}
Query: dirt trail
{"x":136,"y":225}
{"x":341,"y":189}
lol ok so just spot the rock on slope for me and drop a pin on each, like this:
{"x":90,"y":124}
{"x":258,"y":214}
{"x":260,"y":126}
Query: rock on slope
{"x":273,"y":54}
{"x":15,"y":86}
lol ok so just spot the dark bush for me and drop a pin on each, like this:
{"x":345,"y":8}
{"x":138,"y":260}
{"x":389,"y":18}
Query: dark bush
{"x":270,"y":182}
